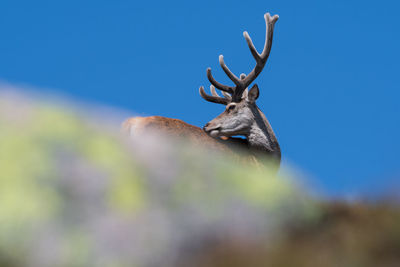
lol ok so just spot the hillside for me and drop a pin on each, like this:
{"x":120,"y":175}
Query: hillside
{"x":75,"y":192}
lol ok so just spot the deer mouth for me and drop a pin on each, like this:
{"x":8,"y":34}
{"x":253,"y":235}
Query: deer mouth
{"x":212,"y":131}
{"x":216,"y":133}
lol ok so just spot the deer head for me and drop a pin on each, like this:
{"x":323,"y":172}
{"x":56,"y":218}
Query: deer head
{"x":241,"y":112}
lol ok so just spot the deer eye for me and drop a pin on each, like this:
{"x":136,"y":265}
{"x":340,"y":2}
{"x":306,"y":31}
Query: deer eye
{"x":231,"y":107}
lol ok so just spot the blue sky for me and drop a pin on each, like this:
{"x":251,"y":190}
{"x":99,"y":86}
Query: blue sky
{"x":330,"y":88}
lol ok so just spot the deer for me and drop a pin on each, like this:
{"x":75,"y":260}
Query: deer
{"x":242,"y":126}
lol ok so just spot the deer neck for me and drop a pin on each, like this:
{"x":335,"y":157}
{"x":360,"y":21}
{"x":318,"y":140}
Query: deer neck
{"x":261,"y":138}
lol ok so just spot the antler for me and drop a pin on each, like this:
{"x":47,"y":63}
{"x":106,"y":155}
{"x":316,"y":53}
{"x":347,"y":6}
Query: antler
{"x":244,"y":81}
{"x":215,"y":98}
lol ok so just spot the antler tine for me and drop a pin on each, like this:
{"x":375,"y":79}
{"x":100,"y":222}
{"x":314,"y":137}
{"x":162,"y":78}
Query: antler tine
{"x":261,"y":59}
{"x":213,"y":92}
{"x":218,"y":85}
{"x":225,"y":94}
{"x":228,"y":71}
{"x":270,"y":24}
{"x":253,"y":50}
{"x":214,"y":98}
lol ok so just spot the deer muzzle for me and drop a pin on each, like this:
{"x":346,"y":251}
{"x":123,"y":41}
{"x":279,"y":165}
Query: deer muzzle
{"x":212,"y":130}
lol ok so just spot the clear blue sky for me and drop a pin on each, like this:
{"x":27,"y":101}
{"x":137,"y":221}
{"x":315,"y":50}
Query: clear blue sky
{"x":330,"y":89}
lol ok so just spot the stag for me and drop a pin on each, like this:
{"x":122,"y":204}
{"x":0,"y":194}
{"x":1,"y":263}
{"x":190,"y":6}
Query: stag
{"x":241,"y":116}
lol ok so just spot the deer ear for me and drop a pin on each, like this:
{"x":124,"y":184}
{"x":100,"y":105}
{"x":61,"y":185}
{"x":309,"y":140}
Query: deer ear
{"x":253,"y":94}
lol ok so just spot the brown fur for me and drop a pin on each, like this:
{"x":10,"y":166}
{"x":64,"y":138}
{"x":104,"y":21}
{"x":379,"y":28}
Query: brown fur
{"x":236,"y":147}
{"x":176,"y":128}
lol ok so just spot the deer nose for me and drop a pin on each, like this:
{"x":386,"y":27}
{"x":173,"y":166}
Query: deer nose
{"x":205,"y":126}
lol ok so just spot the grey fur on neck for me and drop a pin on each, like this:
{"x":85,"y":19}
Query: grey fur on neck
{"x":261,"y":137}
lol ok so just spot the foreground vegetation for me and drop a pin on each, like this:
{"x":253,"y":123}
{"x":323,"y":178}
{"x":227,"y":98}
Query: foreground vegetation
{"x":74,"y":192}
